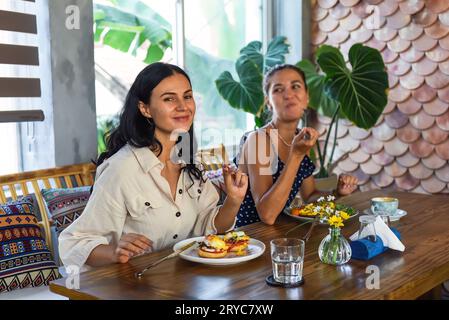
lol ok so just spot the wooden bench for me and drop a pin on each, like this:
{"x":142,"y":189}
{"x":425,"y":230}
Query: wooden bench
{"x":14,"y":186}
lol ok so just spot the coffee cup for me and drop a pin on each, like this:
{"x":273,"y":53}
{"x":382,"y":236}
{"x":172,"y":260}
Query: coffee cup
{"x":384,"y":206}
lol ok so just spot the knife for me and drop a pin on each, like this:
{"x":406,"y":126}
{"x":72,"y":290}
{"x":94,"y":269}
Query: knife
{"x":171,"y":255}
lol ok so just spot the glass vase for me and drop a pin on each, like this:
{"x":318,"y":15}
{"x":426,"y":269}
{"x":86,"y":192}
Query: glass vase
{"x":334,"y":249}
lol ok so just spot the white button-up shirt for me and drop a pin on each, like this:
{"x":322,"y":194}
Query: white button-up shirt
{"x":131,"y":196}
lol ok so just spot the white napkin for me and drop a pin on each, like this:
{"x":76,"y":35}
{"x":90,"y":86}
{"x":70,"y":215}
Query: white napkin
{"x":384,"y":232}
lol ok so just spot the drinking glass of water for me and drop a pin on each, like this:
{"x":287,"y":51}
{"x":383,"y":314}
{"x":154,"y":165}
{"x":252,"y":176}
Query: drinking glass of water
{"x":287,"y":256}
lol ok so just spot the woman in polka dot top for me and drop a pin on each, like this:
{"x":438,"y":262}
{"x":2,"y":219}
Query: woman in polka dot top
{"x":275,"y":157}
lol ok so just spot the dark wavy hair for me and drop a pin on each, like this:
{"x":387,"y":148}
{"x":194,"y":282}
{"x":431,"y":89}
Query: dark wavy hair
{"x":271,"y":72}
{"x":138,"y":131}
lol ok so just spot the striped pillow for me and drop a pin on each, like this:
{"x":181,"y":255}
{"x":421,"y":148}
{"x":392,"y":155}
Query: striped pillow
{"x":25,"y":260}
{"x":65,"y":205}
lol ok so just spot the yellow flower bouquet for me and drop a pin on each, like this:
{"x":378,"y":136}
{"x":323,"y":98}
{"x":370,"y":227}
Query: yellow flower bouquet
{"x":326,"y":211}
{"x":333,"y":249}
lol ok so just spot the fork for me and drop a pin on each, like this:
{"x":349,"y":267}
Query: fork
{"x":309,"y":232}
{"x":171,"y":255}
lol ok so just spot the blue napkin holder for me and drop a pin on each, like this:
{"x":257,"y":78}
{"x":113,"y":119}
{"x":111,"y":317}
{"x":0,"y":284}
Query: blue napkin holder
{"x":365,"y":249}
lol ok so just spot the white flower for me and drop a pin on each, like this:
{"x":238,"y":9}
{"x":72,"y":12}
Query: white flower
{"x":317,"y":209}
{"x":330,"y":198}
{"x":329,"y":210}
{"x":320,"y":199}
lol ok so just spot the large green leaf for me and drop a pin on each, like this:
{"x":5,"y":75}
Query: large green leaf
{"x":142,"y":11}
{"x":318,"y":100}
{"x":154,"y":53}
{"x":119,"y":40}
{"x":362,"y":91}
{"x":276,"y":51}
{"x":246,"y":94}
{"x":99,"y":15}
{"x":253,"y":52}
{"x":129,"y":19}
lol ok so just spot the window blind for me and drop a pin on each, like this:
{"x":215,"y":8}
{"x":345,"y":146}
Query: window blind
{"x":16,"y":87}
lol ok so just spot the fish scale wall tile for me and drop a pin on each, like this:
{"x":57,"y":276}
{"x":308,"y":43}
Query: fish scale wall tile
{"x":424,"y":67}
{"x":436,"y":107}
{"x":425,"y":93}
{"x":408,"y":134}
{"x":382,"y":158}
{"x":424,"y":17}
{"x":407,"y":160}
{"x":434,"y":162}
{"x":443,"y":174}
{"x":411,"y":7}
{"x":444,"y":43}
{"x":424,"y":43}
{"x":411,"y":55}
{"x":388,"y":7}
{"x":437,"y":6}
{"x":410,"y":106}
{"x":408,"y":148}
{"x":444,"y":67}
{"x":443,"y":94}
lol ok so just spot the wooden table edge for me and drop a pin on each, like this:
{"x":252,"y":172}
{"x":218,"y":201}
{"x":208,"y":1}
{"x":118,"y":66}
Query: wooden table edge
{"x":424,"y":283}
{"x":70,"y":293}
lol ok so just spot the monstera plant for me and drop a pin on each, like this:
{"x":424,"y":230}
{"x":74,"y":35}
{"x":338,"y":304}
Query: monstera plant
{"x":358,"y":93}
{"x":246,"y":92}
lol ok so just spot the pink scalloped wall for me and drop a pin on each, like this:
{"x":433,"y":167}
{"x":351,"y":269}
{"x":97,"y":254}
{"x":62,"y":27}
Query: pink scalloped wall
{"x":408,"y":149}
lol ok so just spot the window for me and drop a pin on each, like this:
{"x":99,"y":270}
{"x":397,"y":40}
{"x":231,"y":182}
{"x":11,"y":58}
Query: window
{"x":19,"y":75}
{"x":192,"y":33}
{"x":215,"y":31}
{"x":119,"y":55}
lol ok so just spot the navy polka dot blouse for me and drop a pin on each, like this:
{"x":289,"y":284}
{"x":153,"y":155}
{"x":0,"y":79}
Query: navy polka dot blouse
{"x":248,"y":214}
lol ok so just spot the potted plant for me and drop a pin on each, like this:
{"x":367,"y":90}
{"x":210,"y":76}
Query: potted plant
{"x":358,"y":94}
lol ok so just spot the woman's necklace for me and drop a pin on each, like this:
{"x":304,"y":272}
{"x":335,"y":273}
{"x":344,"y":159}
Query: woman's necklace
{"x":279,"y":135}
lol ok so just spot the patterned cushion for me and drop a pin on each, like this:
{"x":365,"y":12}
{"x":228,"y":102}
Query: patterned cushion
{"x":30,"y":197}
{"x":25,"y":260}
{"x":65,"y":205}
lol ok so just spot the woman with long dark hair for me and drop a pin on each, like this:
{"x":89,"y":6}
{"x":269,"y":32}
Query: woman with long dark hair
{"x":148,"y":192}
{"x":275,"y":157}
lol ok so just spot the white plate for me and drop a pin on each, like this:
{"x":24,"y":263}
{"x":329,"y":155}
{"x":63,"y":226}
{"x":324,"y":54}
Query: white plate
{"x":301,"y":218}
{"x":395,"y":217}
{"x":255,"y":249}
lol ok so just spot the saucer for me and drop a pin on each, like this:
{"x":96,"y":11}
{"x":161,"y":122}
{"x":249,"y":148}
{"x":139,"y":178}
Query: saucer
{"x":395,"y":217}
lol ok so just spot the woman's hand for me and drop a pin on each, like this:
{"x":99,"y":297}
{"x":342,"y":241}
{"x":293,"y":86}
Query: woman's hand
{"x":346,"y":185}
{"x":236,"y":183}
{"x":130,"y":245}
{"x":300,"y":145}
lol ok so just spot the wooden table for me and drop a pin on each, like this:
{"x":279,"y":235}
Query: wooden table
{"x":403,"y":275}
